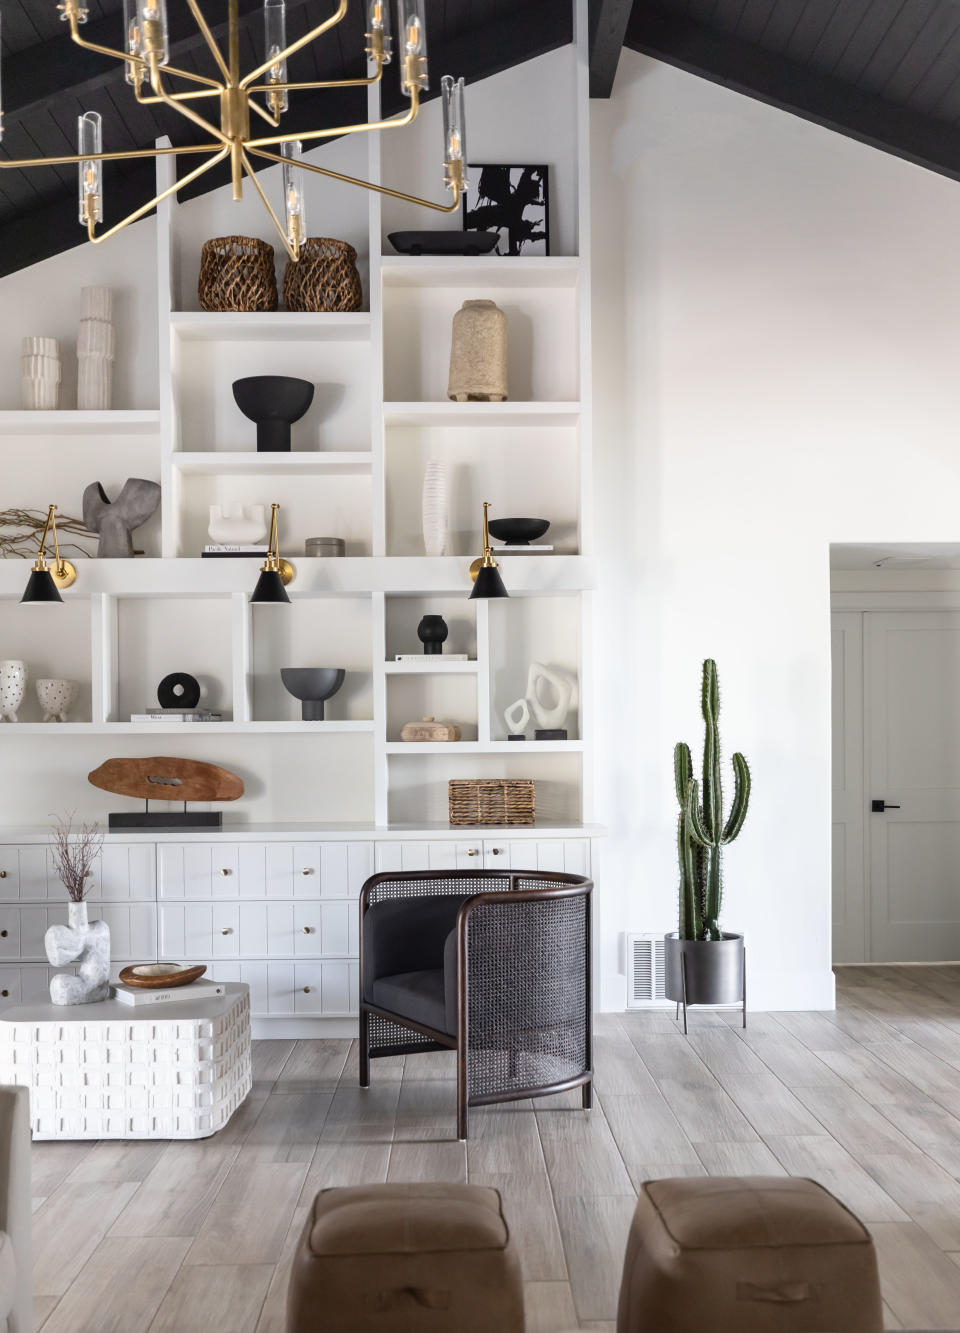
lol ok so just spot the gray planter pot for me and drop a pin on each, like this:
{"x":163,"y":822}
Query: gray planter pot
{"x":705,"y":972}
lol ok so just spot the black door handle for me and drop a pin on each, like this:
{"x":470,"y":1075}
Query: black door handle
{"x":878,"y":807}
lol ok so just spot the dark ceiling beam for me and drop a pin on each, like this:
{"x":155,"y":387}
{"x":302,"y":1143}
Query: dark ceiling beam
{"x":607,"y":28}
{"x":780,"y":82}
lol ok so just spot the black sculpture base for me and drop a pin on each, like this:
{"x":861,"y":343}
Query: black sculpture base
{"x":166,"y":819}
{"x":311,"y":710}
{"x":516,"y":736}
{"x":550,"y":734}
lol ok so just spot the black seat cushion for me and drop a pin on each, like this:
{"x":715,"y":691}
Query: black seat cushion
{"x":415,"y":995}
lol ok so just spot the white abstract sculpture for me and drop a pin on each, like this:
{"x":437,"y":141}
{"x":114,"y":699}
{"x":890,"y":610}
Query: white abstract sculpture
{"x":83,"y":942}
{"x":548,"y":717}
{"x":234,"y":524}
{"x":517,"y":716}
{"x":435,"y":507}
{"x":96,"y":349}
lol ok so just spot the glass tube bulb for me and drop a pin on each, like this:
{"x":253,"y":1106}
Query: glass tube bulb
{"x":275,"y":41}
{"x":454,"y":124}
{"x":378,"y":21}
{"x":152,"y":16}
{"x":90,"y":173}
{"x":293,"y":200}
{"x":412,"y":43}
{"x":131,"y":41}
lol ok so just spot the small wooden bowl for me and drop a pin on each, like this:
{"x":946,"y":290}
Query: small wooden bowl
{"x":160,"y":976}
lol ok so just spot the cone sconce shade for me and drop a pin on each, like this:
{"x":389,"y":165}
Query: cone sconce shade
{"x":485,"y":571}
{"x":44,"y":583}
{"x":275,"y":572}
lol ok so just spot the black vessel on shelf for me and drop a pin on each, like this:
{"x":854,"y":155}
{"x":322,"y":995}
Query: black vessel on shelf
{"x":444,"y":242}
{"x":274,"y":402}
{"x":518,"y":531}
{"x":312,"y":686}
{"x":432,"y":633}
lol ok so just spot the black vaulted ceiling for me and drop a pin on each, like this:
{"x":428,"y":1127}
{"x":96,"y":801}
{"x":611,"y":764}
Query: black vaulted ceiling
{"x":48,"y":81}
{"x":886,"y":72}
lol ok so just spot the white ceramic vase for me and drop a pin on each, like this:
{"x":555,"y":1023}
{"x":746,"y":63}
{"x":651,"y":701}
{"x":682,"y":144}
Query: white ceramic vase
{"x":83,"y":943}
{"x":235,"y":524}
{"x":96,"y":349}
{"x":56,"y":698}
{"x":13,"y":685}
{"x":436,"y":507}
{"x":40,"y":373}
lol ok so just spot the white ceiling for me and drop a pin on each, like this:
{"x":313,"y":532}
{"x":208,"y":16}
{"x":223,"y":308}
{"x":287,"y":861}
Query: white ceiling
{"x":896,"y":555}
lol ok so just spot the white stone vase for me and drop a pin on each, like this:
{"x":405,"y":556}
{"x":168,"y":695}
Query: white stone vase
{"x":56,"y":698}
{"x":478,"y":354}
{"x":40,"y":374}
{"x":13,"y":686}
{"x":87,"y":944}
{"x":96,"y":350}
{"x":436,"y":507}
{"x":235,"y":524}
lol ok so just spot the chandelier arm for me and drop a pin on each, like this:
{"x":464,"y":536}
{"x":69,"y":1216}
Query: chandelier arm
{"x":135,"y":60}
{"x":18,"y":163}
{"x":184,"y":110}
{"x":175,"y":97}
{"x":295,"y":46}
{"x":367,"y":185}
{"x":263,"y":113}
{"x":326,"y":83}
{"x":292,"y":250}
{"x":218,"y":156}
{"x":209,"y":39}
{"x":303,"y":136}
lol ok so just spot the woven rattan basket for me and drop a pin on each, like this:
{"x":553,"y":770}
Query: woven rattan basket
{"x":237,"y":273}
{"x":324,"y":278}
{"x":492,"y":801}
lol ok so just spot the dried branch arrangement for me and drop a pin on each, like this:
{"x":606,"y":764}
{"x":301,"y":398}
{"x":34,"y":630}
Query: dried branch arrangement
{"x":29,"y":524}
{"x":75,"y":853}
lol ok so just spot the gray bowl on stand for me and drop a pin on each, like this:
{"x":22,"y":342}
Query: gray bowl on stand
{"x":313,"y":686}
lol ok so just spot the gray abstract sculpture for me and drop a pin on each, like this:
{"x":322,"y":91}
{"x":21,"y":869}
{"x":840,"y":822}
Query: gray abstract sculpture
{"x":115,"y":520}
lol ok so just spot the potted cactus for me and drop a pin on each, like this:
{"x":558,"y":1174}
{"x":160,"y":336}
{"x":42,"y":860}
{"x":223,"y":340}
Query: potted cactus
{"x":704,"y":964}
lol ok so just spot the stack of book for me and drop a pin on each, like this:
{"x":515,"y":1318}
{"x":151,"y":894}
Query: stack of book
{"x":204,"y":989}
{"x":214,"y":551}
{"x":177,"y":715}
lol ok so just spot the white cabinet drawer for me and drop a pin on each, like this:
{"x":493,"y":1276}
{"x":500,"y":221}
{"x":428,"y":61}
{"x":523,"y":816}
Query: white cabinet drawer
{"x":133,"y":929}
{"x":570,"y":856}
{"x":258,"y":930}
{"x":124,"y":872}
{"x":325,"y":988}
{"x":445,"y":854}
{"x":198,"y":870}
{"x":264,"y":870}
{"x":199,"y":930}
{"x":9,"y":986}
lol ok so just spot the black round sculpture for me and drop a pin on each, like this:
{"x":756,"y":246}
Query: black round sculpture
{"x":274,"y":402}
{"x":518,"y":531}
{"x":432,"y":633}
{"x":178,"y":690}
{"x":312,"y":686}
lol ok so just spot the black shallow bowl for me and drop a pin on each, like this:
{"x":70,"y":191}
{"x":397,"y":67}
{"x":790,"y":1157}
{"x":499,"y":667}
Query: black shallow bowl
{"x":518,"y":531}
{"x":272,"y":397}
{"x":444,"y":242}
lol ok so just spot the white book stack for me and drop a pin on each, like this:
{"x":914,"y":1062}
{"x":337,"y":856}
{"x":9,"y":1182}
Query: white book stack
{"x":195,"y":990}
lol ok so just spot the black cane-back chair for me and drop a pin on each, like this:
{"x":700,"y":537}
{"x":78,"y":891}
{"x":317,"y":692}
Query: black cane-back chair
{"x":492,"y":964}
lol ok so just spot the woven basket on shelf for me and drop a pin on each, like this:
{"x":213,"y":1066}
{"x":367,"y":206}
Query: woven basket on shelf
{"x":492,"y":801}
{"x":237,"y":273}
{"x":324,"y":278}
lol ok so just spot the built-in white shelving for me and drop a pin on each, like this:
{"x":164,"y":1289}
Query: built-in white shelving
{"x":79,"y":423}
{"x":509,"y":273}
{"x":258,"y":326}
{"x":499,"y":415}
{"x":303,"y":463}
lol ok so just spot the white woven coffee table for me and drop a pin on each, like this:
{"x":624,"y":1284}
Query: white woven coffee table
{"x":111,"y":1071}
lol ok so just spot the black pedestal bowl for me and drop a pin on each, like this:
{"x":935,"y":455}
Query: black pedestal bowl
{"x":274,"y":402}
{"x":312,"y":686}
{"x":518,"y":531}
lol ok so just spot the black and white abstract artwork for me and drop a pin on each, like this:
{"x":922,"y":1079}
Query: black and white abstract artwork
{"x":512,"y":201}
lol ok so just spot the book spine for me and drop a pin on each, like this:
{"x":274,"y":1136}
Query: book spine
{"x":145,"y":997}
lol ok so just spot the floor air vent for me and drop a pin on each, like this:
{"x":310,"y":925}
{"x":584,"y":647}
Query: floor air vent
{"x":645,"y":971}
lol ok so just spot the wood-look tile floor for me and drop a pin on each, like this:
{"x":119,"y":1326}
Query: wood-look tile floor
{"x":184,"y":1237}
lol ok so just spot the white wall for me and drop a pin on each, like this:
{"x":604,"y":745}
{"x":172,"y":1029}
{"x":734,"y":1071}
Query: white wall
{"x":776,"y":326}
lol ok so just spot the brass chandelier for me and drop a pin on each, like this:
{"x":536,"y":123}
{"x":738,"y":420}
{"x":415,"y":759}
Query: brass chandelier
{"x":148,"y":73}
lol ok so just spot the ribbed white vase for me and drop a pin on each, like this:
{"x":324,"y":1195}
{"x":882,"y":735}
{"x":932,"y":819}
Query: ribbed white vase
{"x":436,"y":507}
{"x":96,"y":350}
{"x":40,"y":374}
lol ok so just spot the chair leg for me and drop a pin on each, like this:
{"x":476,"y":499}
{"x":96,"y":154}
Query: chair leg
{"x":364,"y":1049}
{"x":463,"y":1116}
{"x":586,"y":1093}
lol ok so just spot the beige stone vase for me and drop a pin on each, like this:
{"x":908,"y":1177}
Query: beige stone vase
{"x":478,"y":354}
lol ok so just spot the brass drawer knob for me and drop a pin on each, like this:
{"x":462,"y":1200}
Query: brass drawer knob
{"x":472,"y":851}
{"x":3,"y":874}
{"x":4,"y":993}
{"x":3,"y":934}
{"x":308,"y":930}
{"x":306,"y":990}
{"x":497,"y":851}
{"x":226,"y":871}
{"x":227,"y":930}
{"x":307,"y":870}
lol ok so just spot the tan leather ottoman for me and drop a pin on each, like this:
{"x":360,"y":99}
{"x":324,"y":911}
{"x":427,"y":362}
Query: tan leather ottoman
{"x":405,"y":1259}
{"x":752,"y":1254}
